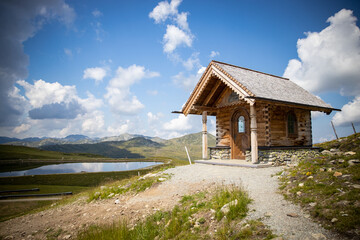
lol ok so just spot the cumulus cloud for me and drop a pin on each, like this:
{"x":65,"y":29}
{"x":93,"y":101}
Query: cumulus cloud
{"x":118,"y":95}
{"x":57,"y":110}
{"x":20,"y":20}
{"x":164,"y":9}
{"x":175,"y":37}
{"x":192,"y":61}
{"x":153,"y":118}
{"x":350,"y":112}
{"x":188,"y":81}
{"x":22,"y":128}
{"x":181,"y":123}
{"x":214,"y":54}
{"x":329,"y":60}
{"x":178,"y":32}
{"x":96,"y":73}
{"x":41,"y":93}
{"x":96,"y":13}
{"x":119,"y":128}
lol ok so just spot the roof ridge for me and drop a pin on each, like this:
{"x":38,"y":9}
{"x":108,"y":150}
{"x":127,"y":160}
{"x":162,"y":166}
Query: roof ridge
{"x":250,"y":70}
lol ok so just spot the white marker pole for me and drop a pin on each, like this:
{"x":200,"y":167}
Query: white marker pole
{"x":188,"y":155}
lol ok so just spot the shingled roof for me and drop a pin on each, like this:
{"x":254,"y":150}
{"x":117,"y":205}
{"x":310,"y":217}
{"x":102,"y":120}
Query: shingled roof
{"x":261,"y":86}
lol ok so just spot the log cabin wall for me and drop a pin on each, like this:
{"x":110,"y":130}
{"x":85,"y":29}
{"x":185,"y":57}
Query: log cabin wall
{"x":278,"y":127}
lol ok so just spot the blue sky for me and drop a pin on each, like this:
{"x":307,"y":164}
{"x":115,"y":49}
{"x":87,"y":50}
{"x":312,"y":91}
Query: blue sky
{"x":110,"y":67}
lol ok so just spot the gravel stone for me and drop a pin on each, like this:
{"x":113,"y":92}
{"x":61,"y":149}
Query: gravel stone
{"x":263,"y":189}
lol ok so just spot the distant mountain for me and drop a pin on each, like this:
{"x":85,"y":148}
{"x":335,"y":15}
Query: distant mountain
{"x":7,"y":139}
{"x":103,"y":149}
{"x":71,"y":139}
{"x":135,"y":147}
{"x":75,"y":138}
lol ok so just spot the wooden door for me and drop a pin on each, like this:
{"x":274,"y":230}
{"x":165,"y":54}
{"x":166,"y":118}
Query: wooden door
{"x":240,"y":134}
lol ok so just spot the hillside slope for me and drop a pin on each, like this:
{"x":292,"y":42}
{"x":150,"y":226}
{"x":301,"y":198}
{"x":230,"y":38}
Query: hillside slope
{"x":328,"y":187}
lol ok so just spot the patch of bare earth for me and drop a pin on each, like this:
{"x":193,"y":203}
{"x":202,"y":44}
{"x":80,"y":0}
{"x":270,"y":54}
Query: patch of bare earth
{"x":64,"y":222}
{"x":284,"y":218}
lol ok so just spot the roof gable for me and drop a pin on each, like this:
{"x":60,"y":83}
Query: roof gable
{"x":251,"y":85}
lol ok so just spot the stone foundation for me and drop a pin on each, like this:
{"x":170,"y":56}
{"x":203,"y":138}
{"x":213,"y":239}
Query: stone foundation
{"x":220,"y":152}
{"x":284,"y":156}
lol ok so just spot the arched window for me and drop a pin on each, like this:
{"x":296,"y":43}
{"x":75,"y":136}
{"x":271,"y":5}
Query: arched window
{"x":241,"y":124}
{"x":291,"y":124}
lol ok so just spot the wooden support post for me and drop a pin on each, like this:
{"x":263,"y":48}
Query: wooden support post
{"x":334,"y":130}
{"x":253,"y":130}
{"x":204,"y":136}
{"x":353,"y":127}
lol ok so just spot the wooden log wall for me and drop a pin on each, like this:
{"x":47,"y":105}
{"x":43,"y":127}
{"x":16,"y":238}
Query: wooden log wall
{"x":271,"y":125}
{"x":278,"y":127}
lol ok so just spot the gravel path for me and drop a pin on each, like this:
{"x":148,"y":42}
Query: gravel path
{"x":268,"y":204}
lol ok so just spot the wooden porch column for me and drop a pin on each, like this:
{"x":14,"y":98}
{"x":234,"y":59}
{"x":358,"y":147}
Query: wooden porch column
{"x":253,"y":130}
{"x":204,"y":136}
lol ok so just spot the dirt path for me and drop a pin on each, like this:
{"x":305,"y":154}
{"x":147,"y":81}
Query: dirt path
{"x":65,"y":221}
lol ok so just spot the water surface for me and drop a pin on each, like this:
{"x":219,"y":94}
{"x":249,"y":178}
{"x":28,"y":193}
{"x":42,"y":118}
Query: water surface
{"x":81,"y":167}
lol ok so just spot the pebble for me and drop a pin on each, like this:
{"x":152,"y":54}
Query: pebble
{"x":313,"y":204}
{"x":357,"y":186}
{"x":292,"y":215}
{"x":334,"y":220}
{"x":117,"y":201}
{"x":301,"y":184}
{"x":337,"y":174}
{"x":67,"y":236}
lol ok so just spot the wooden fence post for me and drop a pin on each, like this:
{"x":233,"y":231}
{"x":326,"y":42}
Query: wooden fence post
{"x":334,"y":130}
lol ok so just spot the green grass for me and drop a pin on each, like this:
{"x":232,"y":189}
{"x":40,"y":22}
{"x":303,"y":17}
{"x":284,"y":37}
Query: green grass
{"x":134,"y":184}
{"x":188,"y":220}
{"x":10,"y":210}
{"x":334,"y":196}
{"x":10,"y":152}
{"x":83,"y":179}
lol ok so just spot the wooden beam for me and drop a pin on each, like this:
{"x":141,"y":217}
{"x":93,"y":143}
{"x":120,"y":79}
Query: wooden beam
{"x":211,"y":94}
{"x":203,"y":108}
{"x":204,"y":136}
{"x":253,"y":134}
{"x":220,"y":96}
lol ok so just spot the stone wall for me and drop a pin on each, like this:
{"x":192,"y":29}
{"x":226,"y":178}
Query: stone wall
{"x":220,"y":153}
{"x":284,"y":156}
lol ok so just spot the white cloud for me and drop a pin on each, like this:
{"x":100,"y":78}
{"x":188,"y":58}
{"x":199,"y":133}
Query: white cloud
{"x":214,"y":54}
{"x":42,"y":92}
{"x":96,"y":13}
{"x":96,"y":73}
{"x":188,"y":81}
{"x":181,"y":123}
{"x":329,"y":60}
{"x":317,"y":114}
{"x":22,"y":128}
{"x":350,"y":113}
{"x":119,"y":129}
{"x":20,"y":21}
{"x":192,"y":61}
{"x":164,"y":9}
{"x":181,"y":20}
{"x":118,"y":95}
{"x":154,"y":117}
{"x":93,"y":124}
{"x":175,"y":37}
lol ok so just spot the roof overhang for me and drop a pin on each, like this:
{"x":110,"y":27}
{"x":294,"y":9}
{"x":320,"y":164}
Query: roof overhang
{"x":306,"y":106}
{"x":211,"y":71}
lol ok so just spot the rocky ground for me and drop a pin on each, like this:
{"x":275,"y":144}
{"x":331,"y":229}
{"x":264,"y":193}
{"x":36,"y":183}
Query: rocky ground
{"x":64,"y":222}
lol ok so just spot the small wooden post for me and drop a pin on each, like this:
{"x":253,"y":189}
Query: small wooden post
{"x":253,"y":136}
{"x":353,"y":127}
{"x":187,"y":152}
{"x":334,"y":130}
{"x":204,"y":136}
